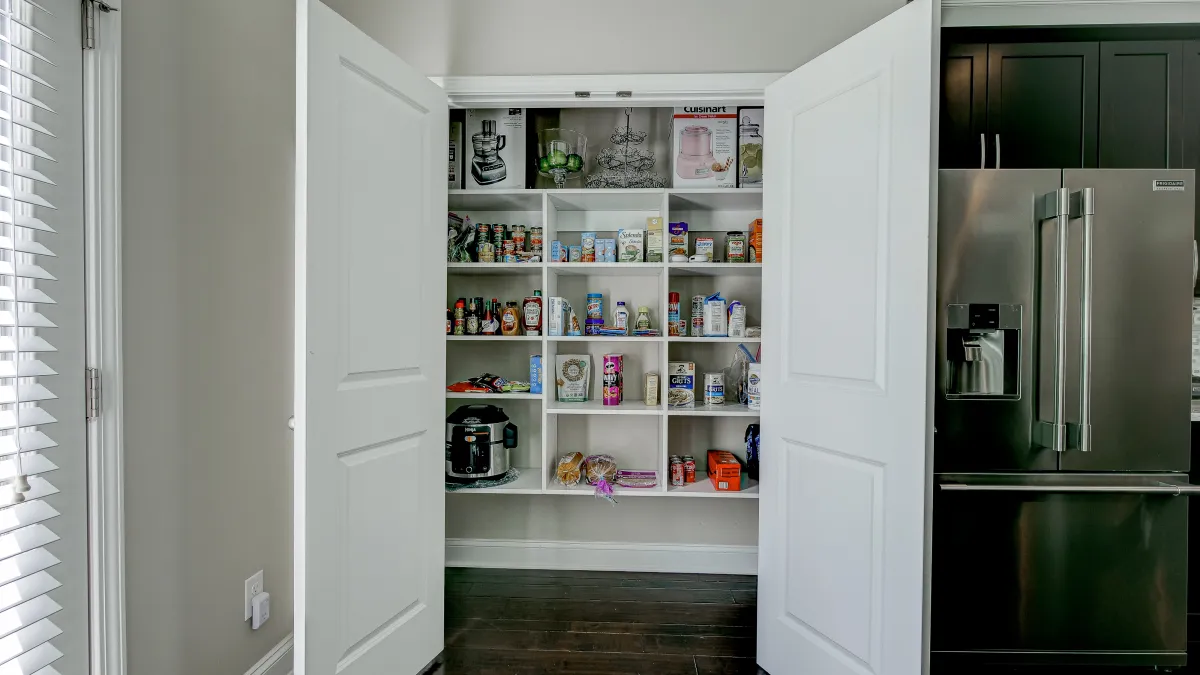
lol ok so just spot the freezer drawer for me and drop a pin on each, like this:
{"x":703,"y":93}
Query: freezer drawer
{"x":1055,"y":568}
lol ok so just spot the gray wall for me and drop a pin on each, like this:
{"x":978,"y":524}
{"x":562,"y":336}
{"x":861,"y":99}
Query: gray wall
{"x":208,"y":135}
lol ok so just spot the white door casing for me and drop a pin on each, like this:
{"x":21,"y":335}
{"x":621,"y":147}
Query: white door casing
{"x":850,"y":207}
{"x":370,"y":355}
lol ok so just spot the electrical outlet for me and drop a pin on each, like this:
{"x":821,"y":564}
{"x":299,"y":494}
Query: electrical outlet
{"x":254,"y":586}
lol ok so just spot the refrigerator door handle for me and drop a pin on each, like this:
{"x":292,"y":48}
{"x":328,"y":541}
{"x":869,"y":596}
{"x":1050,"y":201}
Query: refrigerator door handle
{"x":982,"y":151}
{"x":1056,"y":206}
{"x":1165,"y":488}
{"x":1083,"y":205}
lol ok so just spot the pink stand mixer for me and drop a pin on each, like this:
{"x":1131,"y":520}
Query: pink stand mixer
{"x":695,"y":153}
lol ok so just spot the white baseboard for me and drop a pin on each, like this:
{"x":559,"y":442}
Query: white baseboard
{"x":278,"y":661}
{"x":603,"y":556}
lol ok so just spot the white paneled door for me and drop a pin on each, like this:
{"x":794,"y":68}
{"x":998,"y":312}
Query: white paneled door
{"x":849,"y":200}
{"x":370,"y":355}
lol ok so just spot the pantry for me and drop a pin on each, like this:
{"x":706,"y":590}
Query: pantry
{"x":790,"y":244}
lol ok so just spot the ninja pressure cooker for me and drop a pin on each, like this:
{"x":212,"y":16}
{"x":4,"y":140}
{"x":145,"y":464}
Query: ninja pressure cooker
{"x":478,"y":441}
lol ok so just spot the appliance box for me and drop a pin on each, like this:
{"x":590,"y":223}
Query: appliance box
{"x":490,"y":163}
{"x":456,"y":160}
{"x":752,"y":116}
{"x":704,"y":146}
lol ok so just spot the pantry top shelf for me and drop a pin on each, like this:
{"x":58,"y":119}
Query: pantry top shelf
{"x":607,"y":269}
{"x":715,"y":199}
{"x":713,"y":269}
{"x":494,"y":200}
{"x":633,"y":199}
{"x":507,"y":269}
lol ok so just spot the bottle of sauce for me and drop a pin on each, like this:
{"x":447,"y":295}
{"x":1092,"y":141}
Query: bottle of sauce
{"x":460,"y":317}
{"x":643,"y":319}
{"x":489,"y":325}
{"x":510,"y":320}
{"x":472,"y":317}
{"x":621,"y":317}
{"x":532,"y":313}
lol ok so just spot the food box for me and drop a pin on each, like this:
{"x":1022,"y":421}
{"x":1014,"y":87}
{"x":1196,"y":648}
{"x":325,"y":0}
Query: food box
{"x":456,"y":160}
{"x":724,"y":471}
{"x":573,"y":376}
{"x":678,"y":244}
{"x":654,"y":239}
{"x":755,"y":255}
{"x":704,"y":146}
{"x":749,"y":162}
{"x":705,"y":247}
{"x":681,"y":384}
{"x":630,"y":245}
{"x":500,"y":163}
{"x":556,"y":316}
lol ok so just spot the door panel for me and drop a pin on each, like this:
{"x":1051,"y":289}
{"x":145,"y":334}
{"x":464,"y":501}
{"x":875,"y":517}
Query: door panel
{"x":964,"y":108}
{"x":370,"y":356}
{"x":1140,"y":356}
{"x":1035,"y":572}
{"x":1042,"y":100}
{"x":1191,"y":118}
{"x":851,"y":190}
{"x":1141,"y":105}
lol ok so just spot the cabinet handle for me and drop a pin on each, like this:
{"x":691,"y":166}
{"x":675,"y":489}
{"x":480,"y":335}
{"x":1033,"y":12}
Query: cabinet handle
{"x":982,"y":152}
{"x":1157,"y":488}
{"x":997,"y":151}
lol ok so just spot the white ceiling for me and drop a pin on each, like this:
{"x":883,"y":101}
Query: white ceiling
{"x":543,"y":37}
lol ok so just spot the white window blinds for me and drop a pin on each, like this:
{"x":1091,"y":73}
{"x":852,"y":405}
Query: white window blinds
{"x":28,"y":174}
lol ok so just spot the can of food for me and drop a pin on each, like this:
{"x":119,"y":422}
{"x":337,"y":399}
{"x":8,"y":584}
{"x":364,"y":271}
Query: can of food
{"x":591,"y":326}
{"x":735,"y":247}
{"x":575,"y":254}
{"x":518,"y":235}
{"x":498,"y":239}
{"x":689,"y":469}
{"x":510,"y":257}
{"x":483,"y":236}
{"x":510,"y":247}
{"x":678,"y":473}
{"x":487,"y":252}
{"x":698,"y":315}
{"x":595,"y":306}
{"x":714,"y":389}
{"x":611,"y":378}
{"x":754,"y":386}
{"x":651,"y":389}
{"x":673,"y":314}
{"x":535,"y":239}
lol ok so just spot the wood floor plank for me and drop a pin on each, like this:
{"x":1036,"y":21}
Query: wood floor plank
{"x":722,"y":665}
{"x":507,"y":662}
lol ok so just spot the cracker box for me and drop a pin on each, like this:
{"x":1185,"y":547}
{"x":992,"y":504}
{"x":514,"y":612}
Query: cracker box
{"x":705,"y":143}
{"x":724,"y":471}
{"x":630,"y":245}
{"x":494,"y":149}
{"x":681,"y":384}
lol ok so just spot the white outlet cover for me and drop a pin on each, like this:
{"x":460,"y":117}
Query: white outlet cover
{"x":254,"y":586}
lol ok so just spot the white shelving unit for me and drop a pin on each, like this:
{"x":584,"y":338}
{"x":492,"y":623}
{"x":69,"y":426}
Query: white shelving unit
{"x":640,"y":437}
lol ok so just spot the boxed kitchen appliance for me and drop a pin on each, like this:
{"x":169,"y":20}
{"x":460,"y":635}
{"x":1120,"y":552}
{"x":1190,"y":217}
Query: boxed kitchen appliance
{"x":496,"y":157}
{"x":456,"y":146}
{"x":750,"y":147}
{"x":704,"y":146}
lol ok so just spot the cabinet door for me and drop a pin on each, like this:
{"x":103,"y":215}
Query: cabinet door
{"x":1041,"y":104}
{"x":1141,"y":105}
{"x":964,"y":108}
{"x":1191,"y":125}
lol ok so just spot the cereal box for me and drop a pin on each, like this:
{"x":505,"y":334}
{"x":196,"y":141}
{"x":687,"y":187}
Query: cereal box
{"x":681,"y":384}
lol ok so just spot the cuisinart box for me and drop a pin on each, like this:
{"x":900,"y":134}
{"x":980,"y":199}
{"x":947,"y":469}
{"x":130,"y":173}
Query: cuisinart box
{"x":456,"y":148}
{"x":494,"y":152}
{"x":704,"y":139}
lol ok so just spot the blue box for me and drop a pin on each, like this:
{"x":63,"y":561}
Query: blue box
{"x":535,"y":374}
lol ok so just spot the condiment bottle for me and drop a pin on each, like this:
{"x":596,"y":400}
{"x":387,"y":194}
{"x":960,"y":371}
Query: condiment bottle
{"x":621,"y":317}
{"x":460,"y":317}
{"x":510,"y":320}
{"x":472,"y":317}
{"x":643,"y":319}
{"x":532,"y":313}
{"x":488,"y":327}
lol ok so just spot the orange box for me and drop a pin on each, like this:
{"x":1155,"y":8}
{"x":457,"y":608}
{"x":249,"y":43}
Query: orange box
{"x":724,"y":471}
{"x":755,"y":255}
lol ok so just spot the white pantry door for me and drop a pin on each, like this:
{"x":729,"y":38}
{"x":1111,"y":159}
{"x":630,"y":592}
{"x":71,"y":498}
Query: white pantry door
{"x":849,"y":206}
{"x":370,"y":355}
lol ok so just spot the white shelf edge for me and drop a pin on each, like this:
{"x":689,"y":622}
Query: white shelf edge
{"x":514,"y":396}
{"x":603,"y":338}
{"x":715,"y":340}
{"x":528,"y":483}
{"x":704,"y":489}
{"x":493,"y":338}
{"x":623,"y":409}
{"x":728,"y":410}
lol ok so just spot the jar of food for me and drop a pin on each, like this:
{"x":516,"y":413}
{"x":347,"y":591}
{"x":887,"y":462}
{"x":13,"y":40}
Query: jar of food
{"x":750,"y":145}
{"x":735,"y":247}
{"x":643,"y":319}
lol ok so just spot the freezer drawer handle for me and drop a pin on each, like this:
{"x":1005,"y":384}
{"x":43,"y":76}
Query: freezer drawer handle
{"x":1160,"y":488}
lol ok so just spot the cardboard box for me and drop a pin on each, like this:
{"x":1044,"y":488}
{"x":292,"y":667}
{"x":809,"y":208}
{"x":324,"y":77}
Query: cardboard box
{"x":556,"y":316}
{"x":681,"y":384}
{"x":654,"y":240}
{"x":506,"y":170}
{"x":724,"y":471}
{"x":456,"y":161}
{"x":678,"y":244}
{"x":749,"y":161}
{"x":705,"y":246}
{"x":755,"y":254}
{"x":704,"y":146}
{"x":630,"y":245}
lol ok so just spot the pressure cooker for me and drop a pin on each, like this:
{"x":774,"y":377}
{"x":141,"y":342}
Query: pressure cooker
{"x":479,"y":439}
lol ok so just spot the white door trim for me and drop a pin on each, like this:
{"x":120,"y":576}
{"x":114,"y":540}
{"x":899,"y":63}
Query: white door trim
{"x":102,"y":227}
{"x":557,"y":90}
{"x":1067,"y":12}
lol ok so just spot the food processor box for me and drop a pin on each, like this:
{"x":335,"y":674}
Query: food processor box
{"x":704,"y":146}
{"x":456,"y":156}
{"x":747,"y":176}
{"x":488,"y":163}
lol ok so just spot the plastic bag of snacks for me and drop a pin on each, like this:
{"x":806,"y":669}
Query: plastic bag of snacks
{"x":735,"y":376}
{"x":601,"y":471}
{"x":570,"y":469}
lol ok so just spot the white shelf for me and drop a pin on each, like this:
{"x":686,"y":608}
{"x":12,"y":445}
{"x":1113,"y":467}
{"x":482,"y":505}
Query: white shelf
{"x":607,"y":269}
{"x":597,"y":407}
{"x":528,"y":483}
{"x":715,"y":199}
{"x":734,"y":340}
{"x":494,"y":200}
{"x":494,"y":338}
{"x":634,"y":199}
{"x":715,"y":269}
{"x":585,"y":490}
{"x":727,"y":410}
{"x":605,"y":338}
{"x":512,"y":396}
{"x":507,"y":269}
{"x":703,"y":487}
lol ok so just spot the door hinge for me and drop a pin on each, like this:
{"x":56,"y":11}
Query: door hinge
{"x":89,"y":8}
{"x":91,"y":383}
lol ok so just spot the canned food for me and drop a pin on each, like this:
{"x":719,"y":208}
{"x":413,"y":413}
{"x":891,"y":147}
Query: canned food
{"x":673,"y":314}
{"x":689,"y":469}
{"x":498,"y":239}
{"x":698,"y":327}
{"x":487,"y":252}
{"x":518,"y":236}
{"x":678,"y":472}
{"x":612,"y":379}
{"x":698,"y":315}
{"x":482,"y":238}
{"x":535,"y":239}
{"x":510,"y":247}
{"x":595,"y":306}
{"x":714,"y":389}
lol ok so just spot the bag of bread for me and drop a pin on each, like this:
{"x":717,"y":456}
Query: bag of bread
{"x":570,"y":469}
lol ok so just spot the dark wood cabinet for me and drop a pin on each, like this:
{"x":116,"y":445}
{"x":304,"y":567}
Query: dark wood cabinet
{"x":1042,"y":101}
{"x":963,"y":123}
{"x":1141,"y":105}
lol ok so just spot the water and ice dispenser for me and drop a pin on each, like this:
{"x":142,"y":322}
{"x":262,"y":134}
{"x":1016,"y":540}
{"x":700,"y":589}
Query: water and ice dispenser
{"x":983,"y":351}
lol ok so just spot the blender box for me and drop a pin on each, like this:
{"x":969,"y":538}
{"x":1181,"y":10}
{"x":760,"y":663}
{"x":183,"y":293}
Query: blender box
{"x":704,"y":146}
{"x":750,"y":147}
{"x":494,"y":152}
{"x":456,"y":148}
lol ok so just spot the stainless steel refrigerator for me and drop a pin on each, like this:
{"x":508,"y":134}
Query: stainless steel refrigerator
{"x":1062,"y":412}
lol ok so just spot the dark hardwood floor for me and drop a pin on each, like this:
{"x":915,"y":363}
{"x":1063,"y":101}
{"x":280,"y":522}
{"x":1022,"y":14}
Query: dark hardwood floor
{"x":505,"y":622}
